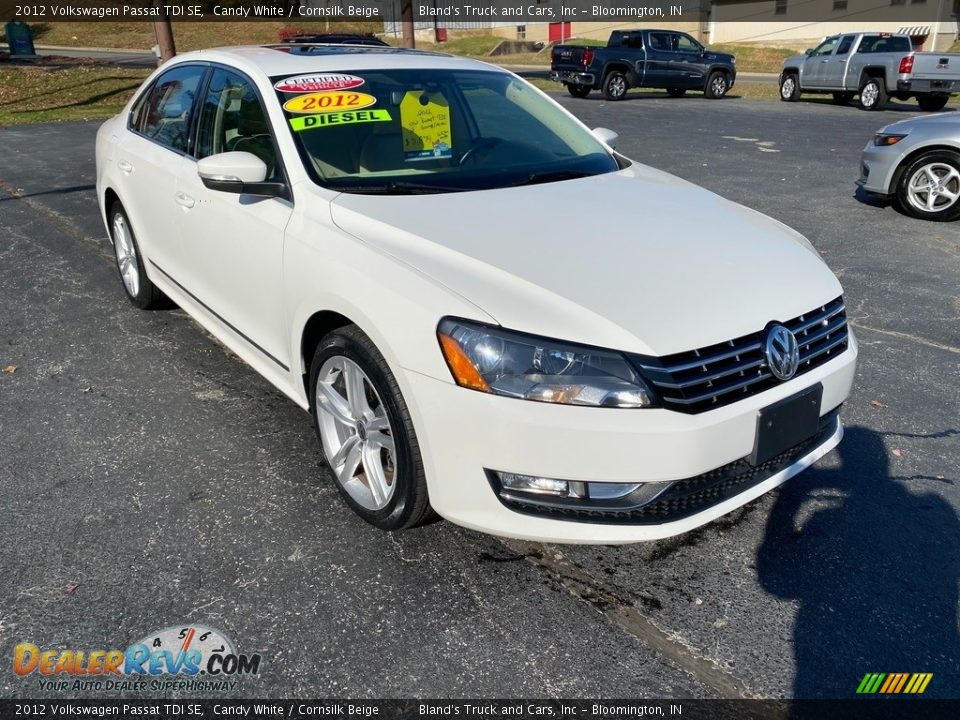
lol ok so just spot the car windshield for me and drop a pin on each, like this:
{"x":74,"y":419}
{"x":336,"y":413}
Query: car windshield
{"x":412,"y":131}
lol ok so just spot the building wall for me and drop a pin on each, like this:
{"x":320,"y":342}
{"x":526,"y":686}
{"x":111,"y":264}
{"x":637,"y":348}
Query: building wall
{"x":757,"y":22}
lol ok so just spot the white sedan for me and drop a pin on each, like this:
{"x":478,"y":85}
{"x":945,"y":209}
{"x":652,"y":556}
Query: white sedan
{"x":490,"y":314}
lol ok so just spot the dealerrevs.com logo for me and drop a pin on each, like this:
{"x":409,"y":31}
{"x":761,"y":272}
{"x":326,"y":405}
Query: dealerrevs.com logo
{"x":180,"y":657}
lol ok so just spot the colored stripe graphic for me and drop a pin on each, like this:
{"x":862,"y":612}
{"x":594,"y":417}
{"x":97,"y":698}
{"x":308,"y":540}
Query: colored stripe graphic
{"x":894,"y":683}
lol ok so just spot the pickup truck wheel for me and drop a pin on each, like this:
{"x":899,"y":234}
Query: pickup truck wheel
{"x":578,"y":91}
{"x":615,"y":85}
{"x":789,"y":88}
{"x":842,"y":98}
{"x":930,"y":186}
{"x":873,"y":94}
{"x":932,"y":103}
{"x":717,"y":85}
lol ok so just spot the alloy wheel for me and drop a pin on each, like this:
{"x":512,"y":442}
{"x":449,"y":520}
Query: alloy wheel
{"x":786,"y":90}
{"x":126,"y":253}
{"x":356,"y":433}
{"x":934,"y":187}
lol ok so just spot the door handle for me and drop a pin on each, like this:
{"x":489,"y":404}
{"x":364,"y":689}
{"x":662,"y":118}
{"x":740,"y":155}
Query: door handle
{"x":125,"y":166}
{"x":183,"y":199}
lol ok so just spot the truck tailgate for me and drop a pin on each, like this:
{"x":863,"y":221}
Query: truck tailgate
{"x":567,"y":57}
{"x":936,"y":66}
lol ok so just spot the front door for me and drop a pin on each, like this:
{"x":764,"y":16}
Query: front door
{"x":232,"y":244}
{"x":814,"y":67}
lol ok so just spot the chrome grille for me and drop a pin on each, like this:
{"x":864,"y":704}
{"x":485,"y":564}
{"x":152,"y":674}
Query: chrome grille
{"x":714,"y":376}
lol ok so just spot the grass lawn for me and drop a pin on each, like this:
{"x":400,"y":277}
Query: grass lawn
{"x":80,"y":91}
{"x":188,"y":35}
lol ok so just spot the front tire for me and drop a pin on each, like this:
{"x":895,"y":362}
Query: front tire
{"x":578,"y":91}
{"x":932,"y":103}
{"x":615,"y":85}
{"x":140,"y":290}
{"x":717,"y":85}
{"x":366,"y":434}
{"x":929,"y":188}
{"x":676,"y":92}
{"x":873,"y":94}
{"x":790,"y":88}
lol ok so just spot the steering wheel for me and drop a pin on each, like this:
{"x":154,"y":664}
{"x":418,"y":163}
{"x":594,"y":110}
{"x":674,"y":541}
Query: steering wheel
{"x":479,"y":144}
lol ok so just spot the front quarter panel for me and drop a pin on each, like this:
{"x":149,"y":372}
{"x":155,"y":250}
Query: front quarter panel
{"x":396,"y":306}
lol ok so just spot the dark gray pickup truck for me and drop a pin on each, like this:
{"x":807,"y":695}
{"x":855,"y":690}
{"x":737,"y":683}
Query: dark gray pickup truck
{"x":643,"y":58}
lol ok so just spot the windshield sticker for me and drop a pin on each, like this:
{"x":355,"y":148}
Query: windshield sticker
{"x":319,"y":82}
{"x":308,"y":122}
{"x":329,"y":102}
{"x":425,"y":120}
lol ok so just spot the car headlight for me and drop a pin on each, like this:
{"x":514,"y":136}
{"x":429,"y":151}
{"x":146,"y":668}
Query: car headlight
{"x":503,"y":362}
{"x":887,"y":139}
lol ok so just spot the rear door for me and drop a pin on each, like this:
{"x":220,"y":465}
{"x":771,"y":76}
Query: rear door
{"x":233,"y":244}
{"x":659,"y":57}
{"x":150,"y":157}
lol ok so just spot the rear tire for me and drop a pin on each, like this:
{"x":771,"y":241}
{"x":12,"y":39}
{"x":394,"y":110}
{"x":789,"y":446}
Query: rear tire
{"x":717,"y":85}
{"x":676,"y":92}
{"x":932,"y":103}
{"x":842,"y":98}
{"x":873,"y":94}
{"x":920,"y":196}
{"x":615,"y":85}
{"x":130,"y":263}
{"x":366,"y":435}
{"x":790,"y":87}
{"x":578,"y":91}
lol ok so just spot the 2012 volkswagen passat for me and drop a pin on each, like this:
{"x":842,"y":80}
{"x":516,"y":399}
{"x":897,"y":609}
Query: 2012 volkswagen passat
{"x":488,"y":311}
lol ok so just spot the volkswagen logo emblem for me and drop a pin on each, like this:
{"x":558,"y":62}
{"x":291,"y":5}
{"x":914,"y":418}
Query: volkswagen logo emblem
{"x":781,"y":352}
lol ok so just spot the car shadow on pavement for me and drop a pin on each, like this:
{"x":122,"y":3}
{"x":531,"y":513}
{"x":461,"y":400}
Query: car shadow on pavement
{"x":872,"y":561}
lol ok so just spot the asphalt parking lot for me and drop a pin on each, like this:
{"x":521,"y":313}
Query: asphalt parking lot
{"x":149,"y":478}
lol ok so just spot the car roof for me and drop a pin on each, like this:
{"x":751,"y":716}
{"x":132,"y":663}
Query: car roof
{"x":296,"y":58}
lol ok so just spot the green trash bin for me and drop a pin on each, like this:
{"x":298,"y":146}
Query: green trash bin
{"x":19,"y":38}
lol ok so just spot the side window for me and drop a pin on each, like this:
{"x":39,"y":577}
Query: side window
{"x":845,"y":45}
{"x":634,"y":41}
{"x":232,"y":118}
{"x":687,"y":44}
{"x":826,"y":47}
{"x":164,"y":114}
{"x":660,"y":41}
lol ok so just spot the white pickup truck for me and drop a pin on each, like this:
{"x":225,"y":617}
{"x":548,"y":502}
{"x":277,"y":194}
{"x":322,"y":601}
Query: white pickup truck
{"x":875,"y":66}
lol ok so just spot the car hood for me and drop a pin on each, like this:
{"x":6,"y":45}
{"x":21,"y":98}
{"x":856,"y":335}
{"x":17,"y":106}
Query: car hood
{"x":636,"y":260}
{"x":949,"y":121}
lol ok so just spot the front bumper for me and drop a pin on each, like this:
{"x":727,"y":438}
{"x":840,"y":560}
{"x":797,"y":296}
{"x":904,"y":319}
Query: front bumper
{"x":877,"y":167}
{"x":465,"y":433}
{"x":570,"y":77}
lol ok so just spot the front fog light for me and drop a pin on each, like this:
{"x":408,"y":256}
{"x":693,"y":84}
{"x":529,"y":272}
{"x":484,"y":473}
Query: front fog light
{"x":518,"y":487}
{"x":539,"y":485}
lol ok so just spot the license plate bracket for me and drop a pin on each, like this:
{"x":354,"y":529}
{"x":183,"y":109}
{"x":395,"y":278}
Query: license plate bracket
{"x":786,"y":423}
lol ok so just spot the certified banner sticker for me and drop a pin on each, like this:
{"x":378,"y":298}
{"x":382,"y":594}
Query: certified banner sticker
{"x":308,"y":122}
{"x":319,"y":82}
{"x":335,"y":101}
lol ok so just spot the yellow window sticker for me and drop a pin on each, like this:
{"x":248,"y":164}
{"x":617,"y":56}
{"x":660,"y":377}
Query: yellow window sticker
{"x":308,"y":122}
{"x":425,"y":121}
{"x":320,"y":102}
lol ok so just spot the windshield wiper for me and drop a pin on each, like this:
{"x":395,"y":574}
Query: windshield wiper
{"x":551,"y":176}
{"x":397,"y":187}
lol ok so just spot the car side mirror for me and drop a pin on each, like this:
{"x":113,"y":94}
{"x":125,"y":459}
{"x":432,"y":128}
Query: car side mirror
{"x":606,"y":135}
{"x":808,"y":52}
{"x":241,"y":173}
